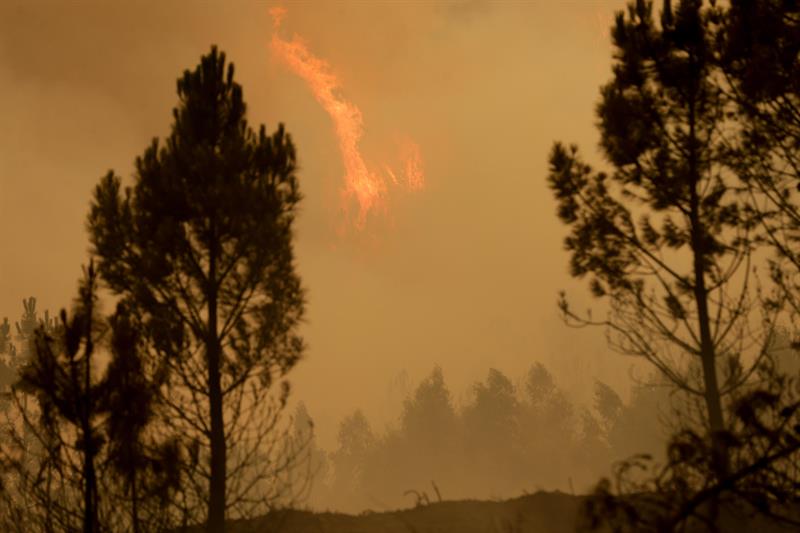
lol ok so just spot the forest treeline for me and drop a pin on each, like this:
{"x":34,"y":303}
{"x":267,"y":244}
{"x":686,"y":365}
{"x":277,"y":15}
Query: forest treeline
{"x":508,"y":438}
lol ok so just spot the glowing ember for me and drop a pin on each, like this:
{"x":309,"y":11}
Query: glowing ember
{"x":391,"y":174}
{"x":366,"y":185}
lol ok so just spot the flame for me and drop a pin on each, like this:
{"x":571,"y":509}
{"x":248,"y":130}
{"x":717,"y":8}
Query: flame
{"x":366,"y":185}
{"x":277,"y":14}
{"x":391,"y":174}
{"x":413,"y":163}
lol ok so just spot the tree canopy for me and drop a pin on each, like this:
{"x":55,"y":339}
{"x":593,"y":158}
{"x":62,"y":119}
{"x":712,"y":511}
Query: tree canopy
{"x":201,"y":247}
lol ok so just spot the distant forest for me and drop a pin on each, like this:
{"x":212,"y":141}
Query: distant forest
{"x":490,"y":447}
{"x":511,"y":437}
{"x":508,"y":439}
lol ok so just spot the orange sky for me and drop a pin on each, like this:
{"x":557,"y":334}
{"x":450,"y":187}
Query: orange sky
{"x":464,"y":273}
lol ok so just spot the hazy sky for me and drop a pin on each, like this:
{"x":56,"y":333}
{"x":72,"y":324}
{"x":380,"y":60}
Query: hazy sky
{"x":464,"y":274}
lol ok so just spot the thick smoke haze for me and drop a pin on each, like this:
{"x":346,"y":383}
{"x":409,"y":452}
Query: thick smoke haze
{"x":463,"y":274}
{"x":510,"y":435}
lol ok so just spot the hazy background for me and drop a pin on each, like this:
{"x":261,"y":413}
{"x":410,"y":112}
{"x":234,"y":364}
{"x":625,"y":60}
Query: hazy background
{"x":463,"y":274}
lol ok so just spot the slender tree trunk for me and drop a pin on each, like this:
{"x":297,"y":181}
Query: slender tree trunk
{"x":48,"y":513}
{"x":90,"y":490}
{"x":89,"y":475}
{"x":134,"y":503}
{"x":216,"y":504}
{"x":708,"y":354}
{"x":708,"y":357}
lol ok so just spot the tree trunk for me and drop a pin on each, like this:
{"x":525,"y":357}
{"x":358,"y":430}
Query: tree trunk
{"x":216,"y":503}
{"x":707,"y":352}
{"x":90,"y":490}
{"x":89,"y":475}
{"x":134,"y":503}
{"x":48,"y":513}
{"x":708,"y":357}
{"x":711,"y":394}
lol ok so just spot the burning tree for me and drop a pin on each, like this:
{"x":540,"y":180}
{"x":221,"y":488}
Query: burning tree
{"x":201,"y":248}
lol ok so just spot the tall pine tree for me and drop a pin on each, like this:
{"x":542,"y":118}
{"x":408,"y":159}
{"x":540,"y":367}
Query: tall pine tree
{"x":201,"y":247}
{"x":663,"y":236}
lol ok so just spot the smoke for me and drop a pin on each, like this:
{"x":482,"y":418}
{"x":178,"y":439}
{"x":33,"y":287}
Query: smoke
{"x":469,"y":274}
{"x":502,"y":440}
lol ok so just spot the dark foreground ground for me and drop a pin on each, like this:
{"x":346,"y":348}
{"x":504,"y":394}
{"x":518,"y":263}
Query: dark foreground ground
{"x":542,"y":512}
{"x":553,"y":512}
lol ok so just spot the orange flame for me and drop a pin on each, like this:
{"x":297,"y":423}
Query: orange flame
{"x":277,"y":14}
{"x":413,"y":158}
{"x":368,"y":187}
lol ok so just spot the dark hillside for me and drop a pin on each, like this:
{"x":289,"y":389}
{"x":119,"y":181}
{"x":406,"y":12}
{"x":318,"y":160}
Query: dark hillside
{"x":543,"y":512}
{"x":551,"y":512}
